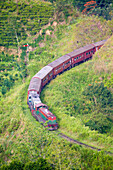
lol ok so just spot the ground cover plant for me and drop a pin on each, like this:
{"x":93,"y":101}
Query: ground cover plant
{"x":23,"y":139}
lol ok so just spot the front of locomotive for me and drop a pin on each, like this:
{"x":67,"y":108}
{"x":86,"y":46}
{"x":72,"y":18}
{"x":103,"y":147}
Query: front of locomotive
{"x":51,"y":123}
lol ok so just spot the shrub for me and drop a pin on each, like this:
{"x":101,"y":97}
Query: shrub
{"x":98,"y":94}
{"x":100,"y":122}
{"x":39,"y":164}
{"x":14,"y":165}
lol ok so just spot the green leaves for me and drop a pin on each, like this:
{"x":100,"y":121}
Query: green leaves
{"x":101,"y":101}
{"x":14,"y":16}
{"x":99,"y":95}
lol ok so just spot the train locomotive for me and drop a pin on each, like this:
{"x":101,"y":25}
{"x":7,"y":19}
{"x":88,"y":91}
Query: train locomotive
{"x":39,"y":110}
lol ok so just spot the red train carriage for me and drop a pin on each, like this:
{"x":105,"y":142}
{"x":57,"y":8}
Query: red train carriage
{"x":88,"y":51}
{"x":60,"y":64}
{"x":81,"y":54}
{"x":76,"y":56}
{"x":45,"y":75}
{"x":99,"y":44}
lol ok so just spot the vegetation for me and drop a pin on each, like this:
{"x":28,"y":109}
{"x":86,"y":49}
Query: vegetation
{"x":21,"y":20}
{"x":98,"y":7}
{"x":12,"y":70}
{"x":39,"y":164}
{"x":81,"y":98}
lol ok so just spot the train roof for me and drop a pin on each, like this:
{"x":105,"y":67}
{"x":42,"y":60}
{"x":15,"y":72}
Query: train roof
{"x":35,"y":84}
{"x":43,"y":72}
{"x":100,"y":43}
{"x":59,"y":61}
{"x":36,"y":99}
{"x":81,"y":50}
{"x":41,"y":104}
{"x":47,"y":112}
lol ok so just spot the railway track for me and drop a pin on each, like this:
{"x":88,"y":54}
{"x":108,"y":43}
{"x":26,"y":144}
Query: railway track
{"x":82,"y":144}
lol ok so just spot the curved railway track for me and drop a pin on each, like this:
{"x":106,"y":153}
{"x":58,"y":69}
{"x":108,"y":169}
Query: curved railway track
{"x":82,"y":144}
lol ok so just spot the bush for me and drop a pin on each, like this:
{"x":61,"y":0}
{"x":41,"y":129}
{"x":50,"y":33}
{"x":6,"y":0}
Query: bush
{"x":39,"y":164}
{"x":100,"y":122}
{"x":98,"y":94}
{"x":14,"y":165}
{"x":98,"y":101}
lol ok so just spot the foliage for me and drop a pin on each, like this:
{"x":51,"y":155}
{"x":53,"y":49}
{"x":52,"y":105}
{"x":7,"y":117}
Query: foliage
{"x":39,"y":164}
{"x":98,"y":100}
{"x":104,"y":12}
{"x":12,"y":70}
{"x":98,"y":7}
{"x":32,"y":15}
{"x":109,"y":81}
{"x":62,"y":9}
{"x":23,"y":138}
{"x":99,"y":95}
{"x":13,"y":165}
{"x":100,"y":122}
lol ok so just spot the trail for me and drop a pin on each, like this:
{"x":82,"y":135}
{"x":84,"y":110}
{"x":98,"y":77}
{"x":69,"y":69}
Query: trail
{"x":82,"y":144}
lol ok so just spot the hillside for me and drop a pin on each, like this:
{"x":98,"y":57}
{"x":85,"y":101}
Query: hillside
{"x":23,"y":138}
{"x":70,"y":98}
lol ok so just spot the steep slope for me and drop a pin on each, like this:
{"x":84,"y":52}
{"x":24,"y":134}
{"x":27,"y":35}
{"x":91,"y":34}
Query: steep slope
{"x":25,"y":139}
{"x":73,"y":99}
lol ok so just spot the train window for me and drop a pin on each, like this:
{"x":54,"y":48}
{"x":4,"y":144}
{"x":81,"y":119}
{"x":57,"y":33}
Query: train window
{"x":92,"y":51}
{"x":45,"y":79}
{"x":74,"y":59}
{"x":77,"y":58}
{"x":67,"y":63}
{"x":58,"y":68}
{"x":50,"y":74}
{"x":86,"y":53}
{"x":89,"y":52}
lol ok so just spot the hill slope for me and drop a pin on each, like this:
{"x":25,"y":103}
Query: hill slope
{"x":70,"y":98}
{"x":25,"y":139}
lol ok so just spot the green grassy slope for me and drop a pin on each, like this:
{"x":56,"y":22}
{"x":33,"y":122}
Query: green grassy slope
{"x":23,"y":138}
{"x":66,"y":99}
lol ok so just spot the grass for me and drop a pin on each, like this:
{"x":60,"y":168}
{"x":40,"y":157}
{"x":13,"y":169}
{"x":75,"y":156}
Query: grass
{"x":64,"y":94}
{"x":23,"y":138}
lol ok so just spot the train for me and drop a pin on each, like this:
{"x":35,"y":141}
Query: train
{"x":40,"y":110}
